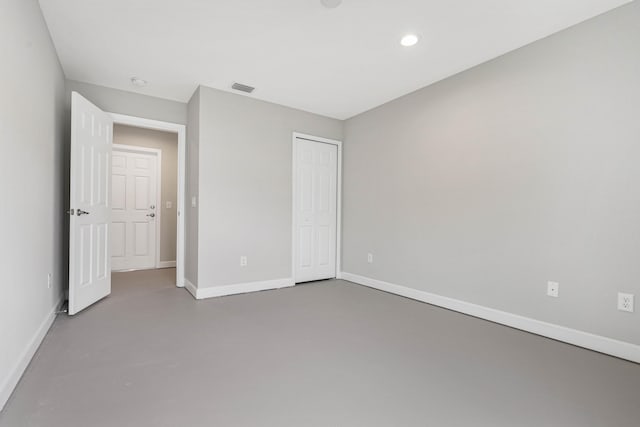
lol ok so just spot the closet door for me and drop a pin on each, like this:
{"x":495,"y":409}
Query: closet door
{"x":315,"y":210}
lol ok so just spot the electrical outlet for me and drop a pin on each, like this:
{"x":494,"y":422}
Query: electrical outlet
{"x":370,"y":258}
{"x":49,"y":280}
{"x":553,"y":289}
{"x":243,"y":261}
{"x":625,"y":302}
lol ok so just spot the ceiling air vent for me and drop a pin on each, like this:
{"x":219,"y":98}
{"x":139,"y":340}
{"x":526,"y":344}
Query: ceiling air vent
{"x":242,"y":88}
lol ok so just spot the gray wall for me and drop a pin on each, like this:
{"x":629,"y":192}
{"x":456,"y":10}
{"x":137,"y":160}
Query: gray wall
{"x":129,"y":103}
{"x":32,"y":134}
{"x":525,"y":169}
{"x":191,"y":212}
{"x":167,"y":142}
{"x":245,"y":185}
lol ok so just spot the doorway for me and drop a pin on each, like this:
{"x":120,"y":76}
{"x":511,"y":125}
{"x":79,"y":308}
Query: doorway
{"x":317,"y":182}
{"x":90,"y":198}
{"x":163,"y":205}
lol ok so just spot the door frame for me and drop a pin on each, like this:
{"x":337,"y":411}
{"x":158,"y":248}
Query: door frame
{"x":294,"y":199}
{"x":180,"y":130}
{"x":158,"y":153}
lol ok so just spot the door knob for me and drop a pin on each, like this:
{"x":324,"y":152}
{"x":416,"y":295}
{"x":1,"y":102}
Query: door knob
{"x":81,"y":212}
{"x":152,"y":215}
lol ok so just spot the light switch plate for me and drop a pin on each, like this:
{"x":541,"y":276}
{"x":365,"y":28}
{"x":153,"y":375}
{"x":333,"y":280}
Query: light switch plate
{"x":169,"y":205}
{"x":553,"y":289}
{"x":193,"y":202}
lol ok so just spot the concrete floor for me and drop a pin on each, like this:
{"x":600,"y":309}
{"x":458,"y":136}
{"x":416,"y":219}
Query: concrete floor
{"x":325,"y":354}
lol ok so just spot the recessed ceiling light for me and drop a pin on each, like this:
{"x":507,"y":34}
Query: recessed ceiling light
{"x":136,"y":81}
{"x":331,"y":4}
{"x":409,"y":40}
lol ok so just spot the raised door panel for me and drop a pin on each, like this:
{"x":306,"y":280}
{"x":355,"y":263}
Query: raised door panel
{"x":102,"y":252}
{"x":142,"y":194}
{"x":101,"y":179}
{"x":141,"y":238}
{"x":119,"y":187}
{"x":118,"y":239}
{"x":305,"y":240}
{"x":85,"y":254}
{"x":324,"y":240}
{"x":86,"y":174}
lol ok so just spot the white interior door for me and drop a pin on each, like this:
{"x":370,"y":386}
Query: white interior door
{"x":90,"y":199}
{"x":315,"y":210}
{"x":134,"y":208}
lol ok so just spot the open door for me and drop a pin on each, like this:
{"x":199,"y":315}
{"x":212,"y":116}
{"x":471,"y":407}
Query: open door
{"x":90,"y":204}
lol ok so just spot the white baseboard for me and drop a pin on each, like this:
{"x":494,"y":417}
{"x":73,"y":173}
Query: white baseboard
{"x":621,"y":349}
{"x":166,"y":264}
{"x":241,"y":288}
{"x":193,"y":289}
{"x":9,"y":384}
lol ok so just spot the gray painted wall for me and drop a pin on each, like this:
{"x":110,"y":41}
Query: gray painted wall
{"x":166,"y":142}
{"x":33,"y":138}
{"x":191,"y":190}
{"x":525,"y":169}
{"x":245,"y":185}
{"x":129,"y":103}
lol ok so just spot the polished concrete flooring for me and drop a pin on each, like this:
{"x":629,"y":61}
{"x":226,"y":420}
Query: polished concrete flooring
{"x":324,"y":354}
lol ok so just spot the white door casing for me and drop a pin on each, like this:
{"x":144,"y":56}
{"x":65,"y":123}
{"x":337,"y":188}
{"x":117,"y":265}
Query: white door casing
{"x":135,"y":212}
{"x":315,"y":210}
{"x":90,"y":204}
{"x":180,"y":130}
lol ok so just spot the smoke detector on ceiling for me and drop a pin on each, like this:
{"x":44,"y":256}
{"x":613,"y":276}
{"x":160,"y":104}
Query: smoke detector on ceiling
{"x":242,"y":88}
{"x":331,"y":4}
{"x":136,"y":81}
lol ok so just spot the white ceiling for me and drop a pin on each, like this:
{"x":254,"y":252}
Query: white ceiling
{"x":335,"y":62}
